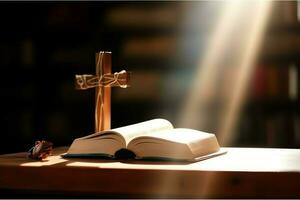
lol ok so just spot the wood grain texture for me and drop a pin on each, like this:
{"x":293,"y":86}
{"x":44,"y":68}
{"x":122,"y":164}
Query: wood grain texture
{"x":103,"y":113}
{"x":241,"y":173}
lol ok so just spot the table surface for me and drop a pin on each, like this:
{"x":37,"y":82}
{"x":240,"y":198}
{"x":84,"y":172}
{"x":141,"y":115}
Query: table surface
{"x":241,"y":173}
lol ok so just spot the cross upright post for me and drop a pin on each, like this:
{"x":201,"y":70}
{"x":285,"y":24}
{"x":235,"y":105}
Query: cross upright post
{"x":103,"y":94}
{"x":103,"y":81}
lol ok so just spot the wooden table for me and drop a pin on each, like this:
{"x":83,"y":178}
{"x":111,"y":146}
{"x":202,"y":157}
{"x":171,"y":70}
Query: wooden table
{"x":241,"y":173}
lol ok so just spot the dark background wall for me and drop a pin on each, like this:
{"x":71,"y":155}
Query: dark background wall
{"x":44,"y":44}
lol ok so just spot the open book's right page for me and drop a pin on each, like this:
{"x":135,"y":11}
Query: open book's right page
{"x":179,"y":143}
{"x":200,"y":143}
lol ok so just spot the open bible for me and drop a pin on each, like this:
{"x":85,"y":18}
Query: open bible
{"x":153,"y":139}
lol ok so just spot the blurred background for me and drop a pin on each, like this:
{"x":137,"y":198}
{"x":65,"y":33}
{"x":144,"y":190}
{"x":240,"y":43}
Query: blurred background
{"x":227,"y":67}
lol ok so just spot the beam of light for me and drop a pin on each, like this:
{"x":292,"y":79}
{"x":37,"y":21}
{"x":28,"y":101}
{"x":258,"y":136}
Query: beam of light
{"x":51,"y":160}
{"x":206,"y":73}
{"x":197,"y":106}
{"x":247,"y":63}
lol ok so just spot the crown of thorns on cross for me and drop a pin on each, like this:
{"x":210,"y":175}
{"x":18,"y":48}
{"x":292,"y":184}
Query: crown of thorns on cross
{"x":87,"y":81}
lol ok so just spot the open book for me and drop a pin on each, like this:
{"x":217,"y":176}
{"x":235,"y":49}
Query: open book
{"x":153,"y":139}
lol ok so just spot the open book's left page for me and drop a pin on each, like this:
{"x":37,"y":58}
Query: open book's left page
{"x":107,"y":143}
{"x":98,"y":144}
{"x":143,"y":129}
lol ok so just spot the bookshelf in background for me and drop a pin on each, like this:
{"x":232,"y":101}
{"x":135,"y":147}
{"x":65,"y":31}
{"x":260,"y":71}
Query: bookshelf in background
{"x":271,"y":114}
{"x":59,"y":40}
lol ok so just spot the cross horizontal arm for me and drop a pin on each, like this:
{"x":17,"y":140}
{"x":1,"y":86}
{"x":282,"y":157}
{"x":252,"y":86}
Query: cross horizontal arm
{"x":118,"y":79}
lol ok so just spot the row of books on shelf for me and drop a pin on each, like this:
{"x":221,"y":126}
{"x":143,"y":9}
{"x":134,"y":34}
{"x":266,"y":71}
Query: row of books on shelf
{"x":140,"y":16}
{"x":168,"y":46}
{"x":142,"y":49}
{"x":24,"y":51}
{"x":267,"y":82}
{"x":275,"y":82}
{"x":285,"y":13}
{"x":278,"y":130}
{"x":283,"y":44}
{"x":162,"y":47}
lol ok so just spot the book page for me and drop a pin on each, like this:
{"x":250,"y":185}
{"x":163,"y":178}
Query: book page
{"x":143,"y":128}
{"x":177,"y":135}
{"x":179,"y":143}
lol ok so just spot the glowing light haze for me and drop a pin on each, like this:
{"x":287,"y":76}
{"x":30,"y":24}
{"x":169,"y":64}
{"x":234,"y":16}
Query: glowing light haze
{"x":233,"y":47}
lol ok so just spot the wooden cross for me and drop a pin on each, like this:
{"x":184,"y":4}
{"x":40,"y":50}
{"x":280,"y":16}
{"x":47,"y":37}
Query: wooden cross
{"x":103,"y":81}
